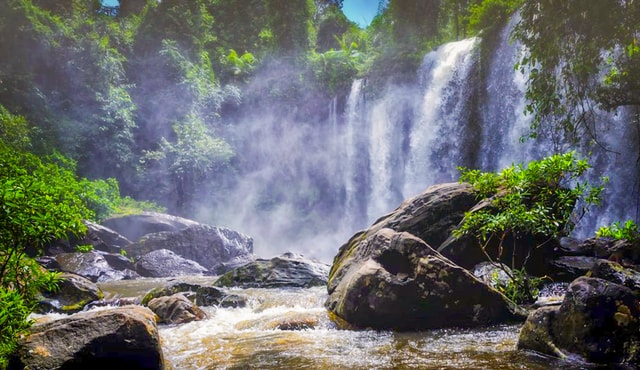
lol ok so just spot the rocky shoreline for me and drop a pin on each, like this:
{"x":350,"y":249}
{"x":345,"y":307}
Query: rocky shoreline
{"x":406,"y":272}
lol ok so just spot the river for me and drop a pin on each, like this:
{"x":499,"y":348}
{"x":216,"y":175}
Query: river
{"x":257,"y":337}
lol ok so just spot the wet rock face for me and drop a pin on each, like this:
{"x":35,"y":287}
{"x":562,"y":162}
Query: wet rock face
{"x":392,"y":280}
{"x":165,"y":263}
{"x":210,"y":246}
{"x":176,"y":309}
{"x":133,"y":227}
{"x":74,"y":293}
{"x":119,"y":338}
{"x":598,"y":320}
{"x":202,"y":295}
{"x":288,"y":270}
{"x":91,"y":265}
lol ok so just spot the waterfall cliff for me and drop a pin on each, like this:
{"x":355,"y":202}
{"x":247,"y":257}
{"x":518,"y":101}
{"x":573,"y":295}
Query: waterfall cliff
{"x":313,"y":184}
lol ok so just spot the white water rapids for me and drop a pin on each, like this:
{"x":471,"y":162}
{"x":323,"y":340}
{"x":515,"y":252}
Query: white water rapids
{"x":256,"y":337}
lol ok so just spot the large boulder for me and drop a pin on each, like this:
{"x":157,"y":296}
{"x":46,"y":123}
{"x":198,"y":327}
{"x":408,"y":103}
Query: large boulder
{"x":119,"y":338}
{"x":432,"y":215}
{"x":135,"y":226}
{"x":394,"y":280}
{"x":91,"y":265}
{"x":176,"y":309}
{"x":288,"y":270}
{"x":616,"y":273}
{"x":73,"y":294}
{"x":165,"y":263}
{"x":100,"y":237}
{"x":210,"y":246}
{"x":598,"y":320}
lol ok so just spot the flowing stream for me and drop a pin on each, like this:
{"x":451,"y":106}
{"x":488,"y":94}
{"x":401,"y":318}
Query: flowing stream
{"x":290,"y":329}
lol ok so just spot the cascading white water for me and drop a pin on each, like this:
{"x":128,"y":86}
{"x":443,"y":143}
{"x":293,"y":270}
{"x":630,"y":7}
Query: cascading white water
{"x":309,"y":183}
{"x":437,"y":135}
{"x":350,"y":146}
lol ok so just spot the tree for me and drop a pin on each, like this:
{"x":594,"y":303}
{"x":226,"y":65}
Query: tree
{"x":291,"y":25}
{"x":579,"y":56}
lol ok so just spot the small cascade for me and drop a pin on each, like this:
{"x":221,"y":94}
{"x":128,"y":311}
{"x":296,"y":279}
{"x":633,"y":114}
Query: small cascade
{"x":387,"y":118}
{"x":352,"y":147}
{"x":503,"y":121}
{"x":437,"y":137}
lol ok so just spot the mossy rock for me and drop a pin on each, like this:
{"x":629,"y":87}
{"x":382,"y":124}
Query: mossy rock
{"x":74,"y":293}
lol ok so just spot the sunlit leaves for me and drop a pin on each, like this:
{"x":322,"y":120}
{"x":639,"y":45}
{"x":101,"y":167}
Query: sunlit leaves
{"x":539,"y":199}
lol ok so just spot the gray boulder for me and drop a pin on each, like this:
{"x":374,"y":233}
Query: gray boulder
{"x":393,"y":280}
{"x":119,"y":338}
{"x":135,"y":226}
{"x":165,"y":263}
{"x":176,"y":309}
{"x":74,"y":293}
{"x":98,"y":236}
{"x":210,"y":246}
{"x":91,"y":265}
{"x":598,"y":320}
{"x":288,"y":270}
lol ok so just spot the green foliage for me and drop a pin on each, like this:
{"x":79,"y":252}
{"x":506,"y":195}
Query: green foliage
{"x":336,"y":69}
{"x":14,"y":130}
{"x":579,"y":55}
{"x":491,"y":13}
{"x":84,"y":248}
{"x":629,"y":231}
{"x":39,"y":202}
{"x":521,"y":288}
{"x":538,"y":201}
{"x":13,"y":322}
{"x":240,"y":66}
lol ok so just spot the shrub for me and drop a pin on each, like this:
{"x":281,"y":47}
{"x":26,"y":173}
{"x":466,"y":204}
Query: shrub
{"x":629,"y":231}
{"x":538,"y":200}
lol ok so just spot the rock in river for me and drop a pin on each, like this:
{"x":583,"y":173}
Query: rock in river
{"x":119,"y":338}
{"x":394,"y":280}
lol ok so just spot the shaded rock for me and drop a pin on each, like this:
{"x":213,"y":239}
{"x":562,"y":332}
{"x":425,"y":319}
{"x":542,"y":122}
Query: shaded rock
{"x":133,"y":227}
{"x":492,"y":274}
{"x":165,"y":263}
{"x":569,"y":268}
{"x":534,"y":252}
{"x":598,"y":321}
{"x":622,"y":251}
{"x":91,"y":265}
{"x":119,"y":338}
{"x":98,"y":236}
{"x":288,"y":270}
{"x":74,"y":293}
{"x":103,"y":239}
{"x":118,"y":261}
{"x":176,"y":309}
{"x":536,"y":333}
{"x":201,"y":295}
{"x":616,"y":273}
{"x":210,"y":246}
{"x":48,"y":262}
{"x":391,"y":280}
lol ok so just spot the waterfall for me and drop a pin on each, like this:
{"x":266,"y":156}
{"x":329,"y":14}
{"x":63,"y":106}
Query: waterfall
{"x":438,"y":134}
{"x":312,"y":181}
{"x":352,"y":149}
